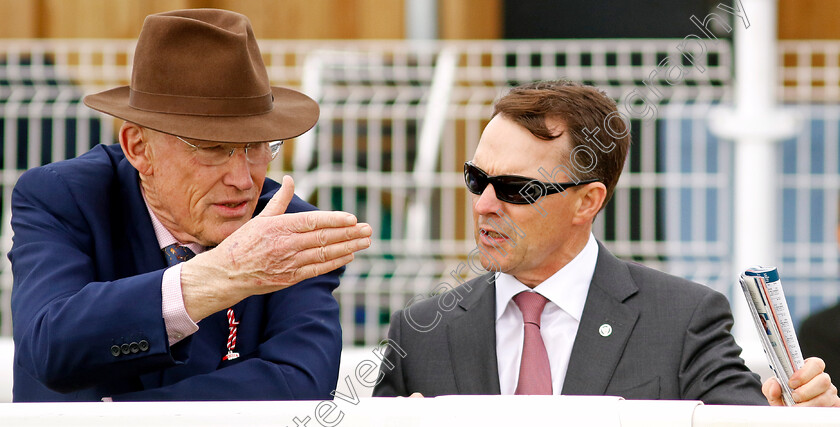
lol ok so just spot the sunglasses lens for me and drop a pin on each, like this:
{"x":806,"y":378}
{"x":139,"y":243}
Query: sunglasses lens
{"x":511,"y":190}
{"x":476,"y":181}
{"x":508,"y":188}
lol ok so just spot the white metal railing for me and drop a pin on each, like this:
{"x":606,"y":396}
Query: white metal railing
{"x":671,"y":210}
{"x":809,"y":70}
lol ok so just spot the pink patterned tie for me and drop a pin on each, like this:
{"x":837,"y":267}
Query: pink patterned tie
{"x":534,"y":370}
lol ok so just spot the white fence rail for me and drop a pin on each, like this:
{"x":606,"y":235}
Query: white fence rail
{"x":672,"y":209}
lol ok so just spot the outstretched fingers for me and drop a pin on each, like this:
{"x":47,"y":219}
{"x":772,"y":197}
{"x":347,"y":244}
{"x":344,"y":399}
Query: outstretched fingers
{"x":322,"y":237}
{"x":320,"y":254}
{"x":303,"y":222}
{"x":311,"y":270}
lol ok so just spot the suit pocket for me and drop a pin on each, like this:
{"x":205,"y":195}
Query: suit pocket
{"x":645,"y":391}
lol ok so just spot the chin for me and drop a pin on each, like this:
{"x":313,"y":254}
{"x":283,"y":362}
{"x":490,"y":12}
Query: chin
{"x":220,"y":232}
{"x":493,"y":261}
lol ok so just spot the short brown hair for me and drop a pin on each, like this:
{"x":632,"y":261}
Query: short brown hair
{"x":606,"y":140}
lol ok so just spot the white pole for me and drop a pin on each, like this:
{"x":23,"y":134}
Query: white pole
{"x":418,"y":223}
{"x":421,"y":19}
{"x":755,"y":125}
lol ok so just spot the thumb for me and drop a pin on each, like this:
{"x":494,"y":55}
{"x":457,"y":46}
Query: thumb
{"x":773,"y":392}
{"x":281,"y":199}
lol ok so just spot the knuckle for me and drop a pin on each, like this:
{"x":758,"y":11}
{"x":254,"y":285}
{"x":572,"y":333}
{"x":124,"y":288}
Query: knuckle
{"x":296,"y":222}
{"x":311,"y":221}
{"x":277,"y":228}
{"x":296,"y":276}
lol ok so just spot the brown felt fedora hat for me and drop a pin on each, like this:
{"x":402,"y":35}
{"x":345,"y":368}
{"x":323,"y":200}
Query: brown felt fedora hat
{"x":198,"y":73}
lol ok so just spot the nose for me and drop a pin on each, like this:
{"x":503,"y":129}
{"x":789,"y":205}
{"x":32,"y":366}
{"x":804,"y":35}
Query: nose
{"x":238,"y":172}
{"x":487,"y":202}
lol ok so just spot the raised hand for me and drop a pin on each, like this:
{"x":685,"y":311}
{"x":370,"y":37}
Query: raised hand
{"x":270,"y":252}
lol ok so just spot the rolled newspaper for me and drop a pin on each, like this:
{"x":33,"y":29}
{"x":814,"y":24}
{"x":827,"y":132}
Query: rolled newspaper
{"x":766,"y":299}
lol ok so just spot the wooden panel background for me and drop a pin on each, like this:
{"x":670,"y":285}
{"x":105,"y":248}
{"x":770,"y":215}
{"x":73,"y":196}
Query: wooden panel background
{"x":809,"y":19}
{"x":271,"y":19}
{"x":18,"y":18}
{"x":470,"y":19}
{"x":321,"y":19}
{"x":326,"y":19}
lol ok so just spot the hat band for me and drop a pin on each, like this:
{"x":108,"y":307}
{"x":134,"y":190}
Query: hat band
{"x":200,"y":106}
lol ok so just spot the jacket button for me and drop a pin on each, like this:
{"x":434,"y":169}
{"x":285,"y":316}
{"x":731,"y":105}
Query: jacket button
{"x":125,"y":348}
{"x":144,"y":345}
{"x":134,"y":348}
{"x":115,"y":350}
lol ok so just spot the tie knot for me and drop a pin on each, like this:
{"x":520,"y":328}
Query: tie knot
{"x":176,"y":253}
{"x":531,"y":305}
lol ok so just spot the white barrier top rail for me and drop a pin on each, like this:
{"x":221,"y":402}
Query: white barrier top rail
{"x":442,"y":411}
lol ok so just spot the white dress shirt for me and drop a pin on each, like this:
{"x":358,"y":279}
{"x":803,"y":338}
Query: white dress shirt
{"x":175,"y":318}
{"x":566,"y":293}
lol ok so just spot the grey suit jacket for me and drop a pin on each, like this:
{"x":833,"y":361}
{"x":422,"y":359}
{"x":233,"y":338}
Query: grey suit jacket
{"x":670,"y":340}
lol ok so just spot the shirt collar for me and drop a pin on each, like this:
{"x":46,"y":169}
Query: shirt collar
{"x":164,"y":236}
{"x":567,"y":288}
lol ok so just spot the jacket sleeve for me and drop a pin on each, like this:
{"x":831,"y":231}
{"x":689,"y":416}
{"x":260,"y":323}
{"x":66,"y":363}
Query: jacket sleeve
{"x":711,"y":368}
{"x":63,"y":315}
{"x":298,"y":358}
{"x":392,"y":383}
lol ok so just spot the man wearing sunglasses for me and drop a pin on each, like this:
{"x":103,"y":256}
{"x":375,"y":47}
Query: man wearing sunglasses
{"x":559,"y":314}
{"x":140,"y":269}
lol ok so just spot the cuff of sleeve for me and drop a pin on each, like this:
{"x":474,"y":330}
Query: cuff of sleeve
{"x":175,"y":317}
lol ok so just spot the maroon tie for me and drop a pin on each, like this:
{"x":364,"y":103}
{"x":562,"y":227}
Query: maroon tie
{"x":534,"y":370}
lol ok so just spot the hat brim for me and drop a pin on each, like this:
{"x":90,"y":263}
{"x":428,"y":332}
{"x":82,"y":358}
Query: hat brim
{"x":293,"y":114}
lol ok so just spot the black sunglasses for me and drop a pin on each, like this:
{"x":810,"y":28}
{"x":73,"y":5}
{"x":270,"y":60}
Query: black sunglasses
{"x":515,"y":189}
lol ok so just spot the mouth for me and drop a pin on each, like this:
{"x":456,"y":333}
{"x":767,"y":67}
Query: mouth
{"x":232,"y":208}
{"x":492,"y":236}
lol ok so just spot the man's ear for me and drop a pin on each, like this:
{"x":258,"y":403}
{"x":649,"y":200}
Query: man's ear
{"x":590,"y":199}
{"x":133,"y":140}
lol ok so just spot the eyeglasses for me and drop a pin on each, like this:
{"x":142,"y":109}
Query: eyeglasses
{"x":214,"y":154}
{"x":518,"y":190}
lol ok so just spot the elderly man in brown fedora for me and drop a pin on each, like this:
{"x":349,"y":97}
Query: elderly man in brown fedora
{"x":169,"y":267}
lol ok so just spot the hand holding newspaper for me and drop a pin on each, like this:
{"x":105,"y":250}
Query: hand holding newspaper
{"x":766,"y":299}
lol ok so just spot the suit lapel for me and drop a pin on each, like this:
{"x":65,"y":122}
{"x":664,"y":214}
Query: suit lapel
{"x":472,"y":338}
{"x":595,"y":356}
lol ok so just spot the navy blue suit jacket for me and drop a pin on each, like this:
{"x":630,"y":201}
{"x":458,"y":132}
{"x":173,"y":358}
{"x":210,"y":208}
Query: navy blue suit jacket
{"x":87,"y":274}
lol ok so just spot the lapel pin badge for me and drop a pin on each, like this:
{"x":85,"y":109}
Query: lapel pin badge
{"x":605,"y":330}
